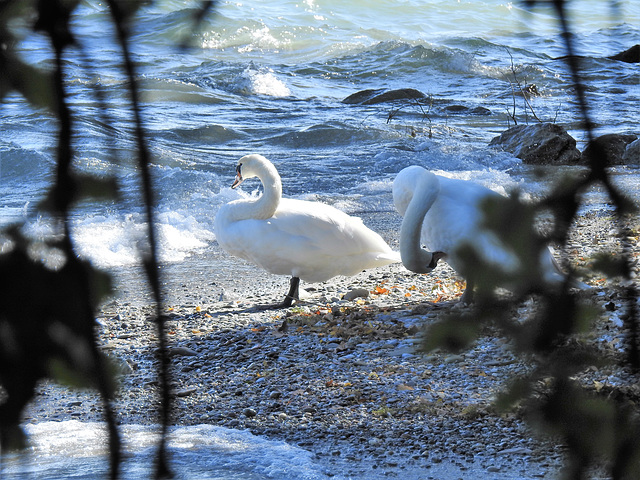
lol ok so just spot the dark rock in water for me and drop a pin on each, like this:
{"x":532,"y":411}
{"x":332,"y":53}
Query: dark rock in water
{"x":374,"y":96}
{"x":362,"y":96}
{"x":480,"y":111}
{"x":464,"y":110}
{"x":612,"y":146}
{"x":631,"y":55}
{"x":456,"y":109}
{"x":540,"y":144}
{"x":631,"y":154}
{"x":381,"y":95}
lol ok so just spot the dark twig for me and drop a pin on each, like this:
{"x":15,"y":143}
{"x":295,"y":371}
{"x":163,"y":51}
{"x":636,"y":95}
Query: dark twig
{"x":53,"y":19}
{"x":525,"y":95}
{"x":150,"y":258}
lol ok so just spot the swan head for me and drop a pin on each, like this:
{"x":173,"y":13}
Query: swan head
{"x":239,"y":178}
{"x":250,"y":166}
{"x":421,"y":261}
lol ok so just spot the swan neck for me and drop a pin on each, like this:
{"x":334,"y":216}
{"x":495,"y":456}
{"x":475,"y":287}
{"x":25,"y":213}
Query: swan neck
{"x":413,"y":256}
{"x":265,"y":206}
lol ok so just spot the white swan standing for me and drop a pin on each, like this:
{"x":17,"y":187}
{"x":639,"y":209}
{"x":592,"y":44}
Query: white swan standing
{"x":306,"y":240}
{"x":444,"y":214}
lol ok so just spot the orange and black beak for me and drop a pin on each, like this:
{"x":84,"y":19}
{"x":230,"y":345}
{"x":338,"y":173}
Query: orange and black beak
{"x":239,"y":178}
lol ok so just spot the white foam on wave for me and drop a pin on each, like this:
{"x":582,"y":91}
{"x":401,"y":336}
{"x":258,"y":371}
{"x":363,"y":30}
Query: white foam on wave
{"x":10,"y":215}
{"x":79,"y":449}
{"x":261,"y":82}
{"x":496,"y":180}
{"x":261,"y":38}
{"x":113,"y":241}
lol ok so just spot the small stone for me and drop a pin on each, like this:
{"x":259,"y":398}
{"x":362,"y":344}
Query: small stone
{"x":516,"y":451}
{"x":186,"y":392}
{"x":454,"y":359}
{"x":182,"y":351}
{"x":249,"y":412}
{"x":356,"y":293}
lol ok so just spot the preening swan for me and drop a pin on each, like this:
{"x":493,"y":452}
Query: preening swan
{"x":306,"y":240}
{"x":444,"y":214}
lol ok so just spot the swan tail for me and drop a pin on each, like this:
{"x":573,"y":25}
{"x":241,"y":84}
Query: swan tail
{"x":558,"y":273}
{"x":575,"y":283}
{"x":389,"y":257}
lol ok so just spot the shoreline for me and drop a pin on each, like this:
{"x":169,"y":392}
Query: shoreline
{"x":343,"y":380}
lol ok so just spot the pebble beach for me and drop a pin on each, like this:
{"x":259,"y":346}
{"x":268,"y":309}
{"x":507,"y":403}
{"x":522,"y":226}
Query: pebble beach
{"x":339,"y":374}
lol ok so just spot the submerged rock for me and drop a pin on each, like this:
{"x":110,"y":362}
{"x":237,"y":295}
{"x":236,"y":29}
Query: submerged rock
{"x":539,"y":144}
{"x":381,"y":95}
{"x":463,"y":109}
{"x":631,"y":55}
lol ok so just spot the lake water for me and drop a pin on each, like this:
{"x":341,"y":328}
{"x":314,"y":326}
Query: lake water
{"x":269,"y":78}
{"x":74,"y":449}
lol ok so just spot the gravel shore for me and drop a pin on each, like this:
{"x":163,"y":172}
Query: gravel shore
{"x":340,"y":378}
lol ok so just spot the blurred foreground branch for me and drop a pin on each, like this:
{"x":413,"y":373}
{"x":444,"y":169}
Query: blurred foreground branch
{"x":47,"y":312}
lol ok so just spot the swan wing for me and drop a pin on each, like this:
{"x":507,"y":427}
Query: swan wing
{"x":309,"y":240}
{"x":331,"y":229}
{"x":456,"y":218}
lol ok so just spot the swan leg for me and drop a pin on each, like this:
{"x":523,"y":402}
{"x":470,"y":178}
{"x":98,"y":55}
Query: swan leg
{"x":289,"y":298}
{"x":467,"y":296}
{"x":294,"y":292}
